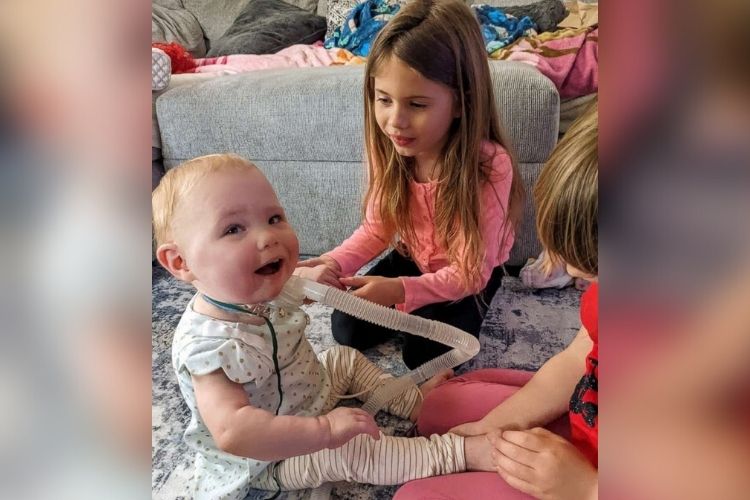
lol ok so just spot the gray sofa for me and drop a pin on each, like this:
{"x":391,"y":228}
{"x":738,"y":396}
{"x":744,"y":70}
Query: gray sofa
{"x":304,"y":129}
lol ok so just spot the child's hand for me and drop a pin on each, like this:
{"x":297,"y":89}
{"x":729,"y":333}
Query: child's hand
{"x":320,"y":273}
{"x":383,"y":291}
{"x":543,"y":465}
{"x":323,"y":260}
{"x":346,"y":423}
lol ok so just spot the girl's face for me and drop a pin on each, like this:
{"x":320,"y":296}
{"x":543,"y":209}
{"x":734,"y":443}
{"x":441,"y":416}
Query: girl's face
{"x":413,"y":111}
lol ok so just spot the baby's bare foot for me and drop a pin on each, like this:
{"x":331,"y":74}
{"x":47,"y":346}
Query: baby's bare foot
{"x":426,"y":388}
{"x":478,"y":453}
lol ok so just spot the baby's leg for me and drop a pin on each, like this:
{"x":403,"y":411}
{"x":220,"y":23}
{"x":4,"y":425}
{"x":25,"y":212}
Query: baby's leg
{"x":351,"y":372}
{"x":390,"y":460}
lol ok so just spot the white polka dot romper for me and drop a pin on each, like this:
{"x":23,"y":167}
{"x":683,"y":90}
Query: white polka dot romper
{"x":244,"y":352}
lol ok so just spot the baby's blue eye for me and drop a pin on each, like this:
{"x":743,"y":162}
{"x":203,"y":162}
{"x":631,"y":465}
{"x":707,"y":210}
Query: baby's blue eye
{"x":233,"y":229}
{"x":275,"y":219}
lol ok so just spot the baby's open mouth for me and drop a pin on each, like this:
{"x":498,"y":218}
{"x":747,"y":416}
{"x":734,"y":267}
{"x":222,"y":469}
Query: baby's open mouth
{"x":270,"y":268}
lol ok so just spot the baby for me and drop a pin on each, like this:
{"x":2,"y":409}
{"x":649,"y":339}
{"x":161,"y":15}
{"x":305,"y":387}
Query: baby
{"x":262,"y":403}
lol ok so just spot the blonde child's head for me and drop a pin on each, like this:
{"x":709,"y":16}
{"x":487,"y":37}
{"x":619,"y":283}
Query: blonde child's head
{"x":176,"y":186}
{"x":567,"y":198}
{"x":429,"y":105}
{"x":219,"y":225}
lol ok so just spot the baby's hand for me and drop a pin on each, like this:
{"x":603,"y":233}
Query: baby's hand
{"x":346,"y":423}
{"x":378,"y":289}
{"x":322,"y":274}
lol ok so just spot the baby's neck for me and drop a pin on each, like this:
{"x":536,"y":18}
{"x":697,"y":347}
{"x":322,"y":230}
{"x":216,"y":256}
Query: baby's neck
{"x":202,"y":306}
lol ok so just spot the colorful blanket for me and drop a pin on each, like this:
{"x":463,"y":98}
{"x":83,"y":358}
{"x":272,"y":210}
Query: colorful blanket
{"x":362,"y":25}
{"x":568,"y":57}
{"x":500,"y":29}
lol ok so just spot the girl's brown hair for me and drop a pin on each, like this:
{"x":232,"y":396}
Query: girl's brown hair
{"x":567,"y":196}
{"x":441,"y":40}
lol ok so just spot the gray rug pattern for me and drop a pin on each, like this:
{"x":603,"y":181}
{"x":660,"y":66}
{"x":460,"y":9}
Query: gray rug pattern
{"x":523,"y":328}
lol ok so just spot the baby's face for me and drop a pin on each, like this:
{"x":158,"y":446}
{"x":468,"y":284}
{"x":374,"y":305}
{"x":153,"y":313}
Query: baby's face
{"x":235,"y":238}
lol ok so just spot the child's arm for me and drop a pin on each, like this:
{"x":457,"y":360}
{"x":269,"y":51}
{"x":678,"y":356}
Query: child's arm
{"x":245,"y":431}
{"x":367,"y":242}
{"x":323,"y":260}
{"x":545,"y":397}
{"x":409,"y":293}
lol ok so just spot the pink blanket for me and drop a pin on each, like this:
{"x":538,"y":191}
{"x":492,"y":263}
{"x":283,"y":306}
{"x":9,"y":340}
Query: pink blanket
{"x":568,"y":57}
{"x":296,"y":56}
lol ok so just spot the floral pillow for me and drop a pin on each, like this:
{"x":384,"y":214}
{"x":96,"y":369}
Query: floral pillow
{"x":336,"y":14}
{"x":338,"y":10}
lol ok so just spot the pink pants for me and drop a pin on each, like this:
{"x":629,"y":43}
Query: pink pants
{"x":466,"y":399}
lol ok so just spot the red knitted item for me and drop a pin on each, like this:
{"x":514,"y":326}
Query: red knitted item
{"x":182,"y":61}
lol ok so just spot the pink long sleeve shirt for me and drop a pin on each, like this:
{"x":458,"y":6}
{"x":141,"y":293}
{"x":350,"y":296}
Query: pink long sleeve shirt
{"x":440,"y":280}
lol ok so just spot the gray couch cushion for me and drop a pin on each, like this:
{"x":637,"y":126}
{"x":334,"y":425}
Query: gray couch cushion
{"x":305,"y":128}
{"x":527,"y":243}
{"x":315,"y":114}
{"x":177,"y":25}
{"x":215,"y":16}
{"x":308,"y":5}
{"x":170,"y":4}
{"x":267,"y":26}
{"x":303,"y":115}
{"x":529,"y":108}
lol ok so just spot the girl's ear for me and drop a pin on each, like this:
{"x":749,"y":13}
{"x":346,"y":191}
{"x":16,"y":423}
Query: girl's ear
{"x":171,"y":258}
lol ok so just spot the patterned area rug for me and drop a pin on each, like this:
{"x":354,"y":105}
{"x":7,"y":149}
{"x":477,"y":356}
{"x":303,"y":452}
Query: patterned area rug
{"x":522,"y":329}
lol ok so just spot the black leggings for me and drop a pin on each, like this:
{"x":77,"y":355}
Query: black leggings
{"x":466,"y":314}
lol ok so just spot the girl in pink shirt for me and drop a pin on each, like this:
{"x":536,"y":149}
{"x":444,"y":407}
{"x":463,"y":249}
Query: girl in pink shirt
{"x":444,"y":194}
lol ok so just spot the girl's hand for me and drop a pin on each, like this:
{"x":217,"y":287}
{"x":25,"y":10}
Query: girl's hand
{"x":383,"y":291}
{"x":543,"y":465}
{"x":346,"y":423}
{"x":320,"y":273}
{"x":324,"y":260}
{"x":477,"y":428}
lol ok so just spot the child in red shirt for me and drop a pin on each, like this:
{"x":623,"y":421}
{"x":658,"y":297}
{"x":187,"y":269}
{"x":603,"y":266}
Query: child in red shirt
{"x":512,"y":408}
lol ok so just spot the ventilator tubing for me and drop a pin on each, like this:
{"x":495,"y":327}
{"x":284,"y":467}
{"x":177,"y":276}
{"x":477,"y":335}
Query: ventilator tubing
{"x":465,"y":346}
